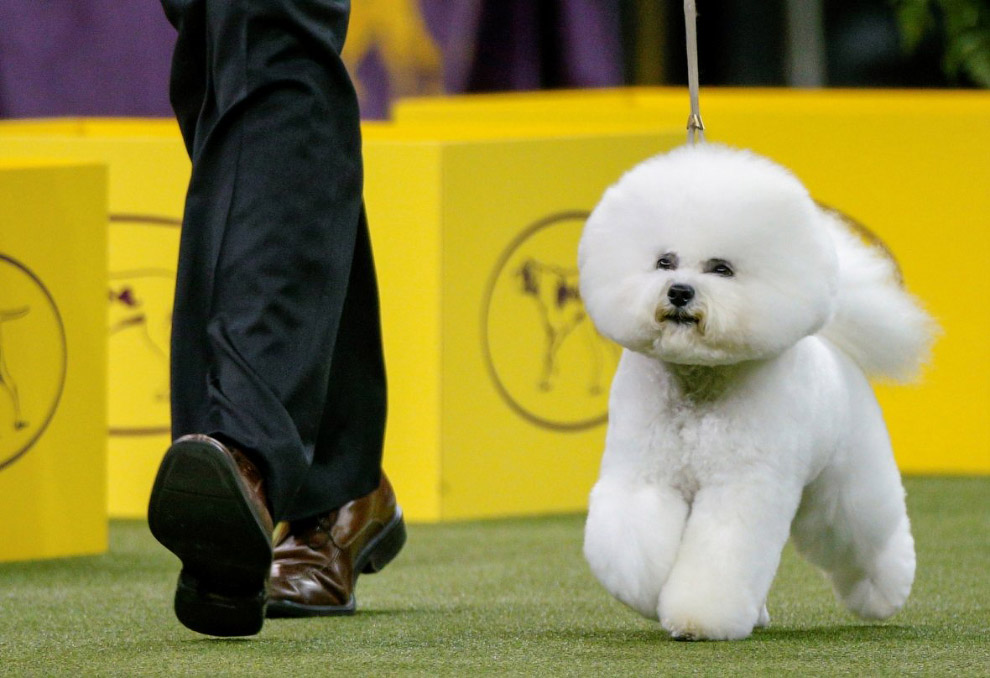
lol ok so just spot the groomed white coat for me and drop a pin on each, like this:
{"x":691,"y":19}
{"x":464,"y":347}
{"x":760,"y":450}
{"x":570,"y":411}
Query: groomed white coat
{"x":741,"y":412}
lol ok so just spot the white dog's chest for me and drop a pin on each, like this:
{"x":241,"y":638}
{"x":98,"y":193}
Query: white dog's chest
{"x":752,"y":431}
{"x":689,"y":448}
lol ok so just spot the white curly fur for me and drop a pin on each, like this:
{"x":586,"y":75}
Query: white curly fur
{"x":746,"y":415}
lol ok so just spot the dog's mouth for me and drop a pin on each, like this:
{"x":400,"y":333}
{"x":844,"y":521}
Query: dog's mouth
{"x":678,"y":317}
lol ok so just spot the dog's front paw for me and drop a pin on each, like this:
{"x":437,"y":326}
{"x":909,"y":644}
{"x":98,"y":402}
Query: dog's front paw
{"x":688,"y":617}
{"x":690,"y":629}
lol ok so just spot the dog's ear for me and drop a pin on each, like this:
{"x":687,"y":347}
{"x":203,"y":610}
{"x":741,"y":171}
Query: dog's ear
{"x":566,"y":291}
{"x":530,"y":280}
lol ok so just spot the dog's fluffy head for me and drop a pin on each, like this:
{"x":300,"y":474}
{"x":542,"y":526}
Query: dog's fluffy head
{"x":707,"y":256}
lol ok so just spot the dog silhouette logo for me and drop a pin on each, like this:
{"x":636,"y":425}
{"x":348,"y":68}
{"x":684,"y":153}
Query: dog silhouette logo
{"x":32,"y":359}
{"x":143,"y":252}
{"x":544,"y":356}
{"x":7,"y":382}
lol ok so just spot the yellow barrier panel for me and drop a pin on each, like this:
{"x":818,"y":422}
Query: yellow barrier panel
{"x":52,"y":360}
{"x":417,"y":218}
{"x":474,"y":221}
{"x":913,"y":166}
{"x":148,"y":174}
{"x":498,"y":382}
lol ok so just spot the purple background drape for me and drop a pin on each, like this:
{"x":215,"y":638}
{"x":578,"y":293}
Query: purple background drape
{"x":111,"y":57}
{"x":84,"y":57}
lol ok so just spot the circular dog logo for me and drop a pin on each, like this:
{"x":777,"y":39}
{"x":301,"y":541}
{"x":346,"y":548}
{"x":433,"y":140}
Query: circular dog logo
{"x":32,"y":359}
{"x":143,"y":252}
{"x":544,"y":355}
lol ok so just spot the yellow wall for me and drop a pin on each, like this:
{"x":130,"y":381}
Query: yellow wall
{"x":90,"y":127}
{"x":52,"y":359}
{"x":913,"y":166}
{"x":408,"y":259}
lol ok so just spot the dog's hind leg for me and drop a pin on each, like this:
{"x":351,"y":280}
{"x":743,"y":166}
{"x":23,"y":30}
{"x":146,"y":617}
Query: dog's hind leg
{"x":596,"y":359}
{"x":8,"y":385}
{"x":853,"y":524}
{"x":631,"y":538}
{"x":763,"y":621}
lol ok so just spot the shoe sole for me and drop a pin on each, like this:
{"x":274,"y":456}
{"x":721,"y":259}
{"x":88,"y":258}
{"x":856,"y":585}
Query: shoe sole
{"x":378,"y":553}
{"x":200,"y":510}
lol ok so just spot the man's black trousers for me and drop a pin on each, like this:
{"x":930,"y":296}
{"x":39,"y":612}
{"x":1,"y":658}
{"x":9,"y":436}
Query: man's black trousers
{"x":276,"y":339}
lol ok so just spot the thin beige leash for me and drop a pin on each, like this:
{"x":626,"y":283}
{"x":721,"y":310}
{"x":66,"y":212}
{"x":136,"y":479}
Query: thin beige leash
{"x":695,"y":127}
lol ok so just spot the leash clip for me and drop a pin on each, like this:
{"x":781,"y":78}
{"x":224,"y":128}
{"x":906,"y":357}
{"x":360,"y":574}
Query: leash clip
{"x":695,"y":128}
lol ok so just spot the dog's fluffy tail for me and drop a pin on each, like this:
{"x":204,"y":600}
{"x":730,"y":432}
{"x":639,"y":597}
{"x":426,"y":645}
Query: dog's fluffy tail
{"x":876,"y":322}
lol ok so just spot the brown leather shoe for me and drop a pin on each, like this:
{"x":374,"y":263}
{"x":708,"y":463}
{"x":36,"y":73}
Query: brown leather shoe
{"x":318,"y":561}
{"x":208,"y":507}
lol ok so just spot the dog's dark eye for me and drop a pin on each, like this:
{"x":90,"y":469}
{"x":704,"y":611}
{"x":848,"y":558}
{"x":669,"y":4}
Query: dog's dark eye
{"x":719,"y":267}
{"x":667,"y":262}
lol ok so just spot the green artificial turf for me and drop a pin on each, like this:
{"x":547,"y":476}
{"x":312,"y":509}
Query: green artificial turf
{"x":508,"y":598}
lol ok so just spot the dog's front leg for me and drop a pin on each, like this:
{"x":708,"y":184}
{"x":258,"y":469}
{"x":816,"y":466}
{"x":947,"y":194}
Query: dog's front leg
{"x":727,"y":559}
{"x":631,"y":537}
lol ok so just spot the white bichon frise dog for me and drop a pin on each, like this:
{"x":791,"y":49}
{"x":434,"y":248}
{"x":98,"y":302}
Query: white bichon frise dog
{"x":741,"y":412}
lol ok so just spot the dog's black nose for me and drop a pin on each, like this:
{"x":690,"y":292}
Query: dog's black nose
{"x":680,"y":294}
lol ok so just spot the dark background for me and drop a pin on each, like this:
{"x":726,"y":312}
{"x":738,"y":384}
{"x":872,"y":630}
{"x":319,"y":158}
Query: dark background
{"x":111,"y":57}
